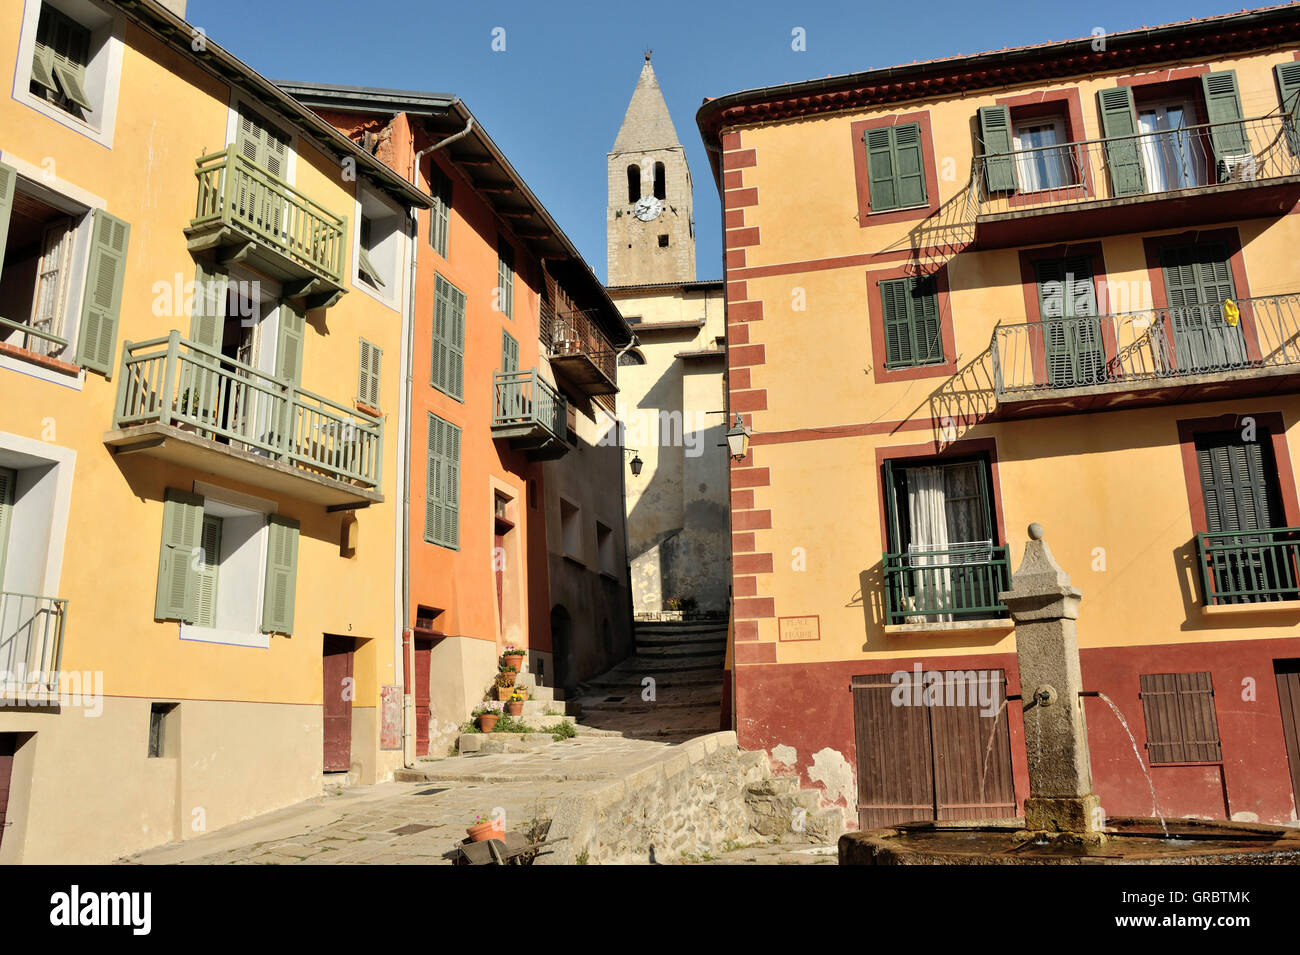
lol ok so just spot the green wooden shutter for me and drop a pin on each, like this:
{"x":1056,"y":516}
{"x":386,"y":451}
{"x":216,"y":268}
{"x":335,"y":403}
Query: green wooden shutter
{"x":368,"y":374}
{"x":438,"y":371}
{"x":893,"y":539}
{"x":433,"y":482}
{"x":289,"y":342}
{"x":898,"y":326}
{"x":281,"y":574}
{"x":1288,"y":86}
{"x":1119,"y":125}
{"x":506,"y":277}
{"x":509,"y":353}
{"x":182,"y":530}
{"x":205,"y":591}
{"x":102,"y":300}
{"x":995,"y":130}
{"x":456,"y":344}
{"x":1072,"y":349}
{"x":8,"y":182}
{"x":925,"y":322}
{"x":8,"y":478}
{"x":440,"y":214}
{"x":451,"y":484}
{"x":262,"y":144}
{"x":208,"y":316}
{"x":881,"y":170}
{"x":909,"y":165}
{"x":1223,"y":106}
{"x":1234,"y":483}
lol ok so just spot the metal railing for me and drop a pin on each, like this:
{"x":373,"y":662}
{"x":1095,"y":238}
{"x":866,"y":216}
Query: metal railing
{"x":575,"y":333}
{"x":173,"y":381}
{"x":946,"y":584}
{"x":1153,"y":344}
{"x":46,"y":343}
{"x":1149,"y":163}
{"x":525,"y":398}
{"x":31,"y":641}
{"x":236,"y":191}
{"x":1249,"y":567}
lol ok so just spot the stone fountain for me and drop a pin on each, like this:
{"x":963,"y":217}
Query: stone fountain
{"x":1063,"y":821}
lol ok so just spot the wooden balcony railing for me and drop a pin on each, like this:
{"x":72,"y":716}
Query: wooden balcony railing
{"x":576,"y":333}
{"x":1082,"y":352}
{"x":1249,"y":567}
{"x":522,"y":400}
{"x":1146,"y":164}
{"x":172,"y":381}
{"x":957,"y":582}
{"x":31,"y":641}
{"x":237,"y":192}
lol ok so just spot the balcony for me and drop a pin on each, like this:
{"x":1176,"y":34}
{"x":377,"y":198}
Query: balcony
{"x":1064,"y":365}
{"x":249,"y":215}
{"x":579,"y":351}
{"x":531,"y":414}
{"x":1255,"y":568}
{"x":185,"y":403}
{"x":935,"y":589}
{"x":31,"y":644}
{"x":1193,"y":175}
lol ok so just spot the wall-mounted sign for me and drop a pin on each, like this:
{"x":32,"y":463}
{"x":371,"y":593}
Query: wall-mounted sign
{"x":799,"y":628}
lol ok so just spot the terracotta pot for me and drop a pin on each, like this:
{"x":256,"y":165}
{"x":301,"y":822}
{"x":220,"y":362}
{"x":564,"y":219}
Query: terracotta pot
{"x":486,"y":721}
{"x":515,"y":660}
{"x":484,"y":831}
{"x":503,"y":692}
{"x":515,"y":708}
{"x":512,"y":677}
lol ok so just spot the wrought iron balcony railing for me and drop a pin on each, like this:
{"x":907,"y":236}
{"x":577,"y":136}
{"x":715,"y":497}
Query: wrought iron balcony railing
{"x":523,"y":402}
{"x":566,"y":334}
{"x":31,"y":642}
{"x":1146,"y":164}
{"x":172,"y":381}
{"x":1083,"y":352}
{"x":1249,"y":567}
{"x":954,"y":583}
{"x":236,"y":192}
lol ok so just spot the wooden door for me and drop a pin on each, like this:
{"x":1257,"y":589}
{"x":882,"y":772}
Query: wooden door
{"x":972,"y":751}
{"x":423,"y":695}
{"x":1198,"y":279}
{"x":336,"y":666}
{"x":895,"y":771}
{"x":8,"y":743}
{"x":1288,"y":694}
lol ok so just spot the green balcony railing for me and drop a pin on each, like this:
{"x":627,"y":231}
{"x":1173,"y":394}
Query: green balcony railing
{"x":172,"y":381}
{"x":1249,"y":567}
{"x":237,"y":192}
{"x":523,"y":400}
{"x":31,"y":641}
{"x":953,"y":583}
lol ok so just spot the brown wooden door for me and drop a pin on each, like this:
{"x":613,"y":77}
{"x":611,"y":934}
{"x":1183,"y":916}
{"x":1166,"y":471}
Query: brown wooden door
{"x":423,"y":696}
{"x":336,"y":666}
{"x":932,"y":761}
{"x":499,"y":562}
{"x":8,"y":745}
{"x":1288,"y":695}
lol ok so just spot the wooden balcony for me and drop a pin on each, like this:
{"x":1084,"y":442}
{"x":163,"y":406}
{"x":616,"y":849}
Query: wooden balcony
{"x":182,"y":402}
{"x":580,"y":353}
{"x":530,"y":414}
{"x":1198,"y":174}
{"x":952,"y":584}
{"x":248,"y":215}
{"x":1191,"y":353}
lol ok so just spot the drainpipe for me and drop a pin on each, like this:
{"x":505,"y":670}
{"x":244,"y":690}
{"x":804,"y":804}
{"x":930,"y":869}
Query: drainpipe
{"x":622,"y":483}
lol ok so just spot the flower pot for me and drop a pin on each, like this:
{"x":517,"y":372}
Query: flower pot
{"x":521,"y":690}
{"x":485,"y":831}
{"x":515,"y":660}
{"x":503,"y":692}
{"x":515,"y":708}
{"x":486,"y":721}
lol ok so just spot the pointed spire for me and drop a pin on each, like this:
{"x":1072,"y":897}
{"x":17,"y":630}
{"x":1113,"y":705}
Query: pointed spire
{"x":646,"y":125}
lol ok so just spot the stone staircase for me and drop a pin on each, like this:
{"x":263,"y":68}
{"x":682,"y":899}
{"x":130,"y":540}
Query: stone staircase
{"x":684,"y":660}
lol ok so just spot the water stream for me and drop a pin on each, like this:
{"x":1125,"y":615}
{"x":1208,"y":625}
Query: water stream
{"x":1142,"y":764}
{"x":988,"y":748}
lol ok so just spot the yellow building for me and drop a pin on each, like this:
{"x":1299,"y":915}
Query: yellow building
{"x":1052,"y":284}
{"x":202,"y":311}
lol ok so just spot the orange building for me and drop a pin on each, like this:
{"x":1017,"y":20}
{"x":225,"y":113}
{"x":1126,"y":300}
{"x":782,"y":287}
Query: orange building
{"x":1053,"y":284}
{"x":514,"y":494}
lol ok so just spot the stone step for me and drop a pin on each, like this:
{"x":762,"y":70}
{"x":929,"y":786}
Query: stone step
{"x":667,"y":679}
{"x":637,"y":705}
{"x":658,"y":639}
{"x":683,"y":652}
{"x":678,"y":626}
{"x":637,"y":665}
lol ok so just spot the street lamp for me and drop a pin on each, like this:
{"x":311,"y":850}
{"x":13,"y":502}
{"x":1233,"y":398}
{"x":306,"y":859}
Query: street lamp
{"x":636,"y":463}
{"x":738,"y":439}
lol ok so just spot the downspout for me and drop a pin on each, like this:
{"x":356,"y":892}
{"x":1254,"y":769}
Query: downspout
{"x":622,"y":483}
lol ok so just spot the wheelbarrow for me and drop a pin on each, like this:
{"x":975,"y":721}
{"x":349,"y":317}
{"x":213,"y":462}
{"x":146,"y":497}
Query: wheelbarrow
{"x":514,"y":849}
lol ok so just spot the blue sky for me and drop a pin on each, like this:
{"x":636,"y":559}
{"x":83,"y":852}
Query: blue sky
{"x":553,"y":100}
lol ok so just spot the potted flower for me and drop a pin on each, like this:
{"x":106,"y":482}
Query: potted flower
{"x":485,"y":828}
{"x":521,"y":691}
{"x":515,"y":705}
{"x":487,"y":715}
{"x":512,"y":656}
{"x":504,"y":684}
{"x":676,"y":608}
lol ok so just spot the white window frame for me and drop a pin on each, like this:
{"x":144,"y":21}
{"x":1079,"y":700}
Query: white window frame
{"x":1018,"y":128}
{"x":379,"y":209}
{"x":103,"y":72}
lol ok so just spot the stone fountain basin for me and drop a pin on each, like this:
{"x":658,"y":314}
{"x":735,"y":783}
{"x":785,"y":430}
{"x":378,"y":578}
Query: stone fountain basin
{"x":1132,"y":841}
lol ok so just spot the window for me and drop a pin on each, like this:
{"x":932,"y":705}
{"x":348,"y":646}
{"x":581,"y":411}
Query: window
{"x":632,"y":356}
{"x":448,"y":374}
{"x":571,"y":530}
{"x":40,"y":235}
{"x":911,"y":320}
{"x":605,"y":550}
{"x":442,"y":491}
{"x":1198,"y":280}
{"x":633,"y":183}
{"x":895,"y":170}
{"x":59,"y":64}
{"x":379,"y":246}
{"x":69,"y":58}
{"x":366,"y":268}
{"x":215,"y":555}
{"x":1181,"y":723}
{"x":159,"y":717}
{"x":661,"y":181}
{"x":1040,"y":162}
{"x":262,"y":143}
{"x":663,"y":241}
{"x":1067,"y":302}
{"x":509,"y":354}
{"x":505,"y":301}
{"x":368,"y":374}
{"x":1026,"y":149}
{"x":440,"y":214}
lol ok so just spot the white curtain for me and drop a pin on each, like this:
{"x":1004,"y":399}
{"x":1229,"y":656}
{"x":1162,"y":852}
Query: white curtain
{"x":927,"y":512}
{"x":1037,"y":166}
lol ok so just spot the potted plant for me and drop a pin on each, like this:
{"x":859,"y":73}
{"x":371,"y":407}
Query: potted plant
{"x":504,"y":684}
{"x":515,"y":705}
{"x":522,"y":691}
{"x":487,"y":715}
{"x":676,"y":608}
{"x":485,"y":828}
{"x":514,"y":657}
